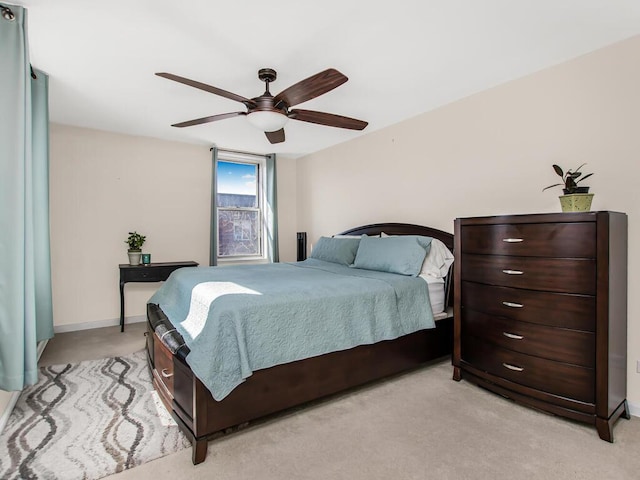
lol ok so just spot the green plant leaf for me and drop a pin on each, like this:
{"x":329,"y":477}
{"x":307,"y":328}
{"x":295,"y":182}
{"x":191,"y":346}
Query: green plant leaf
{"x":570,"y":179}
{"x":586,"y":176}
{"x":135,"y":240}
{"x":558,"y":170}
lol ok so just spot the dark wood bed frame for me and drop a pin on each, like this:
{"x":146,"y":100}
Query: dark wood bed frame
{"x":284,"y":386}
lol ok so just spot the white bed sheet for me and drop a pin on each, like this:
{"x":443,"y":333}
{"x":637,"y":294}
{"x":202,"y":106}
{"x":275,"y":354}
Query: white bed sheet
{"x":436,"y":287}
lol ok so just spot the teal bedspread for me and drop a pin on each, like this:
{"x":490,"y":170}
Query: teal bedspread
{"x":239,"y":319}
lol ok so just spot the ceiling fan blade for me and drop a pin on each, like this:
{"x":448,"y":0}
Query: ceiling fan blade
{"x":311,"y":87}
{"x":207,"y":88}
{"x":212,"y":118}
{"x":275,"y":137}
{"x":328,"y":119}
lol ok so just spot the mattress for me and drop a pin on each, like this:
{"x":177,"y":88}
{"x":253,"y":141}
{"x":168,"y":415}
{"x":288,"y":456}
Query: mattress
{"x":436,"y":287}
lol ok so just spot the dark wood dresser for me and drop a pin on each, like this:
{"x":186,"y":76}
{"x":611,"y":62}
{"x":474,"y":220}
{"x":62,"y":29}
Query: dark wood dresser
{"x":540,"y":311}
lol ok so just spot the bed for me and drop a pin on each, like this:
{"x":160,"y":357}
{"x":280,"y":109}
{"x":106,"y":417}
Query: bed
{"x":268,"y":390}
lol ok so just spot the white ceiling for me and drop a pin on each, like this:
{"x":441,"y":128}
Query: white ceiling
{"x":402,"y":58}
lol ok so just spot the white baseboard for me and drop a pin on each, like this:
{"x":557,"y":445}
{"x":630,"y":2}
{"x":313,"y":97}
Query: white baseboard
{"x":7,"y":411}
{"x":15,"y":395}
{"x":110,"y":322}
{"x":634,"y":409}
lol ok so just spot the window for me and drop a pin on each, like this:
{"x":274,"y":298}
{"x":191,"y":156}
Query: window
{"x":240,"y":206}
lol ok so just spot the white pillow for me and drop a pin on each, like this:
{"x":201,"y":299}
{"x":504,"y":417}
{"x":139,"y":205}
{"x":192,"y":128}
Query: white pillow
{"x":438,"y":260}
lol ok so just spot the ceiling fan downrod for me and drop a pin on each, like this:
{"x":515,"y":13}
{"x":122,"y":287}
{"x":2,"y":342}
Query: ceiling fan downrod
{"x":267,"y":75}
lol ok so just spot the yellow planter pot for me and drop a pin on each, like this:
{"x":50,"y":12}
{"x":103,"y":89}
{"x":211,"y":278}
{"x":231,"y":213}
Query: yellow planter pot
{"x":576,"y":202}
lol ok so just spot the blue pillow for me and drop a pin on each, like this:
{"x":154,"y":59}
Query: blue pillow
{"x":402,"y":254}
{"x":336,"y":250}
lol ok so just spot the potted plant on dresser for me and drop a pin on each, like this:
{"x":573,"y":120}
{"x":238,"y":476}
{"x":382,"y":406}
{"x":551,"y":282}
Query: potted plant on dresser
{"x":576,"y":197}
{"x":135,"y":242}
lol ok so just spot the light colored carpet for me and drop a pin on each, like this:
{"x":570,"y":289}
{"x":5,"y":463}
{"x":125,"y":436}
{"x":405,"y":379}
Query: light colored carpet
{"x":422,"y":425}
{"x":85,"y":421}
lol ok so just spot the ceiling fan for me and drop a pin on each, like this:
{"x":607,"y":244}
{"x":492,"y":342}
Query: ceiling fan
{"x":270,"y":113}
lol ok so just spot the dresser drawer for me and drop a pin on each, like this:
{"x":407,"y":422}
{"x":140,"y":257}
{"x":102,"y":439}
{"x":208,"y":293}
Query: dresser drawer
{"x":553,"y":377}
{"x":145,"y":274}
{"x":563,"y":240}
{"x":564,"y":275}
{"x":577,"y":312}
{"x":163,"y":365}
{"x":559,"y":344}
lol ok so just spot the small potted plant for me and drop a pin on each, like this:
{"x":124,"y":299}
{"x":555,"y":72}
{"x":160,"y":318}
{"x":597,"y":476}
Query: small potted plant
{"x":576,"y":197}
{"x":135,"y":242}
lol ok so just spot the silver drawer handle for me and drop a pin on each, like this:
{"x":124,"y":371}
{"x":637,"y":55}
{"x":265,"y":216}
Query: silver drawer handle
{"x":512,"y":367}
{"x":512,"y":335}
{"x":166,"y":374}
{"x":513,"y":272}
{"x":513,"y":240}
{"x":513,"y":305}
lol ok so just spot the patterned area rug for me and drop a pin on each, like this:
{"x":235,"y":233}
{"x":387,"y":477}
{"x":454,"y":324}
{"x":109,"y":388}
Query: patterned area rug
{"x":87,"y":421}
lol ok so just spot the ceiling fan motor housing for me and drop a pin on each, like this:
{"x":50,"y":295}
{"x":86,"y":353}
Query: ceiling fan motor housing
{"x":265,"y":102}
{"x":267,"y":74}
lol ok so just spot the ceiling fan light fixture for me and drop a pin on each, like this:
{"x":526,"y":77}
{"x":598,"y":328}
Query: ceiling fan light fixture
{"x":267,"y":121}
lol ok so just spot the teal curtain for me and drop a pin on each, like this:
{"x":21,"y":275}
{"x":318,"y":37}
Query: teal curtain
{"x":272,"y":210}
{"x":25,"y":277}
{"x":213,"y":248}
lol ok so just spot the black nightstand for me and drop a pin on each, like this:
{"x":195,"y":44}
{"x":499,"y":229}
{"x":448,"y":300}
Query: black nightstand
{"x":153,"y":272}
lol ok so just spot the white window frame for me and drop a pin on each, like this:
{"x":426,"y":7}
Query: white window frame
{"x":261,"y":162}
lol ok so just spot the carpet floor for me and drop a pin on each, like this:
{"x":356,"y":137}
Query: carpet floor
{"x":87,"y":420}
{"x":418,"y":426}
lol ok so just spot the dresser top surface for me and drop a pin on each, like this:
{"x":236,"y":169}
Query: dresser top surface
{"x":566,"y":217}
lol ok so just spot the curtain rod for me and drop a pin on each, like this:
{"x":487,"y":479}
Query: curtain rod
{"x":7,"y":13}
{"x":228,"y":150}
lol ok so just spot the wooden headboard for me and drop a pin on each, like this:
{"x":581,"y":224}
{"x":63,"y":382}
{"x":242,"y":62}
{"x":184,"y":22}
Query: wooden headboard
{"x":402,"y":229}
{"x":410,"y":229}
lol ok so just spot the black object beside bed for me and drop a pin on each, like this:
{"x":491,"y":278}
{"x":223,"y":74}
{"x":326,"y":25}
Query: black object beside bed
{"x":284,"y":386}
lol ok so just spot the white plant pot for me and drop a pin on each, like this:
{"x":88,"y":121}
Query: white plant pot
{"x":134,"y":258}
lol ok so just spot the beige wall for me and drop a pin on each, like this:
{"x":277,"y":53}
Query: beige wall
{"x":491,"y":153}
{"x":104,"y":185}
